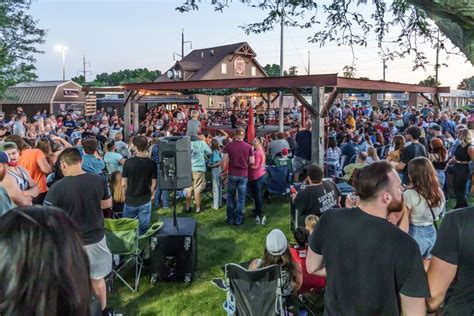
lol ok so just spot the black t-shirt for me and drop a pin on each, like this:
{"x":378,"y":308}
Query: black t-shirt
{"x":455,"y":245}
{"x":303,"y":144}
{"x":410,"y":152}
{"x":70,"y":125}
{"x":316,"y":199}
{"x":139,"y":172}
{"x":369,"y":262}
{"x":102,"y":139}
{"x":80,"y":198}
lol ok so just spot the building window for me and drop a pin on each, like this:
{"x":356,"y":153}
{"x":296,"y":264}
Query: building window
{"x":254,"y":71}
{"x":223,"y":68}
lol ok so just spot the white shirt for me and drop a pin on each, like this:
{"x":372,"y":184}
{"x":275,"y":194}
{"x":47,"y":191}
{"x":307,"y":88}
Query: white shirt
{"x":420,"y":214}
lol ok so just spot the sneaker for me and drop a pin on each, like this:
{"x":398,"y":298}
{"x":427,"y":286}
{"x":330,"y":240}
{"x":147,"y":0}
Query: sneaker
{"x":264,"y":220}
{"x":198,"y":211}
{"x":257,"y":220}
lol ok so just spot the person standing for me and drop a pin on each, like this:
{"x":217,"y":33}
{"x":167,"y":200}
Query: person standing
{"x":19,"y":125}
{"x":257,"y":178}
{"x":415,"y":149}
{"x":139,"y":184}
{"x":215,"y":163}
{"x":199,"y":151}
{"x":382,"y":272}
{"x":194,"y":126}
{"x":91,"y":161}
{"x":302,"y":158}
{"x":238,"y":155}
{"x":451,"y":268}
{"x":83,"y":196}
{"x":463,"y":155}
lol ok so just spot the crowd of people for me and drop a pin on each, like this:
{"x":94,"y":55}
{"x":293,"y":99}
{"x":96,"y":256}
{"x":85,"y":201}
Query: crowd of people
{"x":400,"y":166}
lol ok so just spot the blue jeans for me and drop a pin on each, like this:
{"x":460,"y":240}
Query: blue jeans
{"x":143,"y":212}
{"x":164,"y":194}
{"x":236,"y":191}
{"x":256,"y":191}
{"x":425,"y":237}
{"x":441,"y":177}
{"x":216,"y":188}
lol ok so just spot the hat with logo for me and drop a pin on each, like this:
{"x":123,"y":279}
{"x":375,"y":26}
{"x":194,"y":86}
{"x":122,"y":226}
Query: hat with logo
{"x":3,"y":157}
{"x":276,"y":243}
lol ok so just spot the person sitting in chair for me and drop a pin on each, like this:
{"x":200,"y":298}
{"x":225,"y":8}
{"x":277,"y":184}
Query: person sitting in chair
{"x":361,"y":162}
{"x":277,"y":251}
{"x":317,"y":197}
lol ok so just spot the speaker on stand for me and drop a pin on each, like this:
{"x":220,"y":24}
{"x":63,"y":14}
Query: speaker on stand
{"x":174,"y":248}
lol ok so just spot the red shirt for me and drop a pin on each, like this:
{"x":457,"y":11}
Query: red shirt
{"x":239,"y":153}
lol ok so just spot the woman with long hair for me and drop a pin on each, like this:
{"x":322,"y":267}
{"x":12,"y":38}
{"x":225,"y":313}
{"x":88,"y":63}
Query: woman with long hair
{"x":398,"y":146}
{"x":463,"y":155}
{"x":333,"y":157}
{"x":439,"y":158}
{"x":372,"y":155}
{"x":424,"y":201}
{"x":379,"y":140}
{"x":277,"y":251}
{"x":118,"y":198}
{"x":215,"y":163}
{"x":257,"y":177}
{"x":44,"y":145}
{"x":44,"y":269}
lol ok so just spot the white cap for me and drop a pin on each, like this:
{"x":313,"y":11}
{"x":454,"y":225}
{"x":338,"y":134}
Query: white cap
{"x":276,"y":243}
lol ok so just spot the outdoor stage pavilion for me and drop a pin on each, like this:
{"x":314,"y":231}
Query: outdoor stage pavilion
{"x":324,"y":90}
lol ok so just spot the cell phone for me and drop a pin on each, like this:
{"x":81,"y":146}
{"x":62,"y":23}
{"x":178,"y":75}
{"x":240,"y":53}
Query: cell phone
{"x":292,"y":189}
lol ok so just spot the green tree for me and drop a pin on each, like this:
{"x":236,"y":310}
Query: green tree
{"x":349,"y":71}
{"x":292,"y":71}
{"x":343,"y":23}
{"x":19,"y":36}
{"x":430,"y":81}
{"x":79,"y":79}
{"x":272,"y":70}
{"x":125,"y":76}
{"x":467,"y":84}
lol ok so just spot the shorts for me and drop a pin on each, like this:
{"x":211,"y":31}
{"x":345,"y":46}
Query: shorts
{"x":199,"y":182}
{"x":299,"y":164}
{"x":100,"y":259}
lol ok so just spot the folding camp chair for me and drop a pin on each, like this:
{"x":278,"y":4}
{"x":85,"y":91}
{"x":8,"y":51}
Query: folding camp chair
{"x":123,"y":240}
{"x":278,"y":180}
{"x":250,"y":293}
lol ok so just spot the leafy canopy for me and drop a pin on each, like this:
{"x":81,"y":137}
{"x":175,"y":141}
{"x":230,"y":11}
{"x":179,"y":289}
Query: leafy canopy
{"x":342,"y":22}
{"x":19,"y":36}
{"x":119,"y":77}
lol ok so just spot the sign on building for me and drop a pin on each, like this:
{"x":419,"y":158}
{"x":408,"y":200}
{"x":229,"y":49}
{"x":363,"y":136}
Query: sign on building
{"x":71,"y":93}
{"x":91,"y":105}
{"x":239,"y":67}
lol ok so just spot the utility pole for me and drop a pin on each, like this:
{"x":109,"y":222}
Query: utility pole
{"x":84,"y":71}
{"x":282,"y":26}
{"x":184,"y":42}
{"x":384,"y":67}
{"x":437,"y":60}
{"x":309,"y":63}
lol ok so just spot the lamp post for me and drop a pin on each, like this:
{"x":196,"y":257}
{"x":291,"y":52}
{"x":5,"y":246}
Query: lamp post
{"x":62,"y":49}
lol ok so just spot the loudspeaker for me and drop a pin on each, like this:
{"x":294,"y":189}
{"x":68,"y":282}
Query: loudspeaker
{"x":174,"y":251}
{"x":175,"y":163}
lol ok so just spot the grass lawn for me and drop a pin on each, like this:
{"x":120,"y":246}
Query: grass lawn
{"x":218,"y":244}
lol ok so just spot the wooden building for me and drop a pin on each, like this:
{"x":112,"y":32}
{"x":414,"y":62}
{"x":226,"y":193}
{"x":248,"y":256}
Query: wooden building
{"x":52,"y":96}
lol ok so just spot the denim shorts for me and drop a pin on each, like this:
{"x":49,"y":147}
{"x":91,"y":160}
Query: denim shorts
{"x":425,"y":237}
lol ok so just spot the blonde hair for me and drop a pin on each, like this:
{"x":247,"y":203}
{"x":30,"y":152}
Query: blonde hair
{"x":310,"y":222}
{"x":116,"y":187}
{"x":194,"y":114}
{"x":465,"y":137}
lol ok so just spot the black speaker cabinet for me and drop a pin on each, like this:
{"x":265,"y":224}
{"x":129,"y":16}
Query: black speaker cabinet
{"x":175,"y":163}
{"x":174,"y":251}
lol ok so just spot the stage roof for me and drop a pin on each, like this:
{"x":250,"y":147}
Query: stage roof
{"x":287,"y":82}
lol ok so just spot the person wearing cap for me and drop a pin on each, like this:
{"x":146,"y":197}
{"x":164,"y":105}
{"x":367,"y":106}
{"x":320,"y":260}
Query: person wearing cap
{"x":21,"y":188}
{"x":277,"y":251}
{"x":5,"y":202}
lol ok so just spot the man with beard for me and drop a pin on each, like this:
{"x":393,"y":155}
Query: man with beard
{"x":5,"y":202}
{"x":372,"y":267}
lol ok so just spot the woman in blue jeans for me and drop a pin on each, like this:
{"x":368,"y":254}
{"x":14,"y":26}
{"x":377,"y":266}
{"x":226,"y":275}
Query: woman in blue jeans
{"x":424,"y":200}
{"x":439,"y":158}
{"x":215,"y":163}
{"x":257,"y":177}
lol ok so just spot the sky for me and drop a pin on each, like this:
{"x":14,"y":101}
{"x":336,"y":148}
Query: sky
{"x":121,"y":34}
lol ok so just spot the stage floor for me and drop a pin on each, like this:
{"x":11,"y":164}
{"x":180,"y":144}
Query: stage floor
{"x":261,"y":131}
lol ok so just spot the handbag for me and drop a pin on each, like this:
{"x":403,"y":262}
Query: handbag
{"x":434,"y":218}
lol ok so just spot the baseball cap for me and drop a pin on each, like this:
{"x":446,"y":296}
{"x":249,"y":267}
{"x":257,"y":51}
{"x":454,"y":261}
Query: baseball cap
{"x":436,"y":127}
{"x":2,"y":113}
{"x":8,"y":145}
{"x":3,"y":157}
{"x":276,"y":243}
{"x":284,"y":151}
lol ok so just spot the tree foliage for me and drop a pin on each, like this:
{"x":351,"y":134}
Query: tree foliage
{"x":467,"y":84}
{"x":349,"y":71}
{"x":341,"y":22}
{"x":272,"y":70}
{"x":119,"y":77}
{"x":19,"y":36}
{"x":430,"y":81}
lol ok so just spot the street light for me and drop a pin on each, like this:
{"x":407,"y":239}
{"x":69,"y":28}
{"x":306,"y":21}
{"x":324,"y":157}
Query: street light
{"x":62,"y":49}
